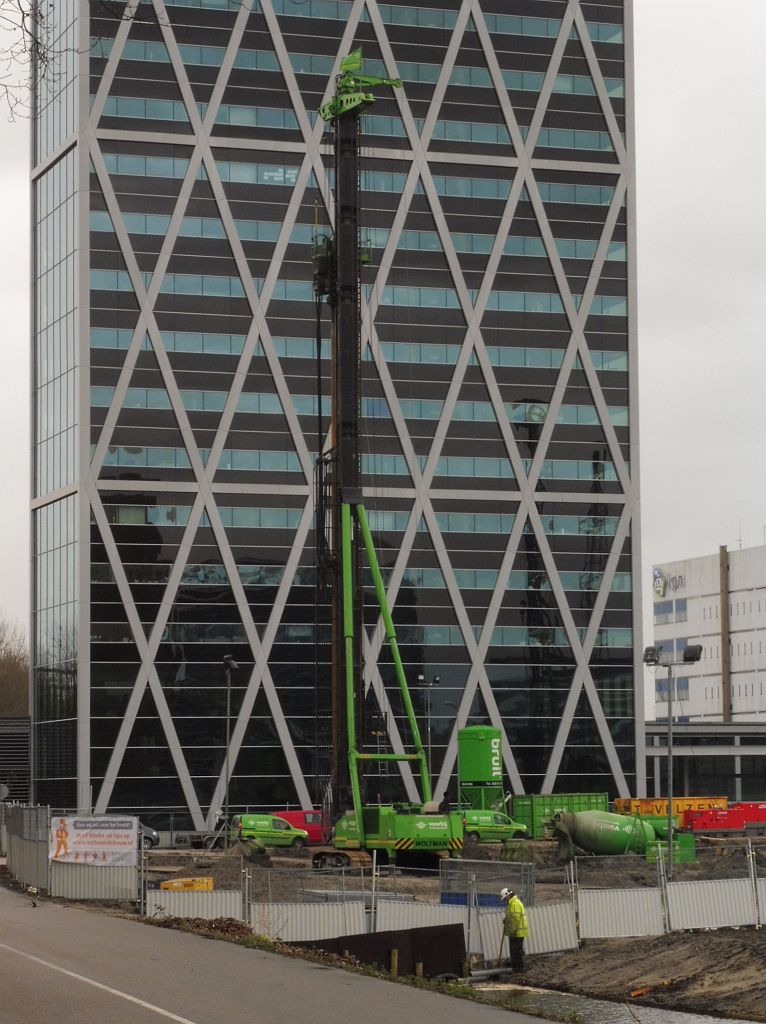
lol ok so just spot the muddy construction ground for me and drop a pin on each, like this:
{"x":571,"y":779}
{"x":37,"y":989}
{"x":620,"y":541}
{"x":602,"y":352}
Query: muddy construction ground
{"x":720,"y":973}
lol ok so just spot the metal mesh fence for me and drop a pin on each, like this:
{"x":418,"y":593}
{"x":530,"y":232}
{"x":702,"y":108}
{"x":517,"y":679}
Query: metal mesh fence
{"x":713,"y":862}
{"x":27,"y":822}
{"x":339,"y":885}
{"x":461,"y":878}
{"x":629,"y":871}
{"x":759,"y":856}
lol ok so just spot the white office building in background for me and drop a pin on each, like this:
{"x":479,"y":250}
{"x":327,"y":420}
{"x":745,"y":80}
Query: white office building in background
{"x":718,"y":601}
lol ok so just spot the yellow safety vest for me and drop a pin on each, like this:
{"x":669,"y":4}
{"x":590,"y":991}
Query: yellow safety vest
{"x":515,"y":924}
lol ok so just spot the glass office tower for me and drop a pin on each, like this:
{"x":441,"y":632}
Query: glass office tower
{"x":181,"y":396}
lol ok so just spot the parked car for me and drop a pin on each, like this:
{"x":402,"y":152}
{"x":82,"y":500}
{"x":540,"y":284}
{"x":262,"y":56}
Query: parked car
{"x":491,"y":826}
{"x":147,"y":837}
{"x":270,"y":829}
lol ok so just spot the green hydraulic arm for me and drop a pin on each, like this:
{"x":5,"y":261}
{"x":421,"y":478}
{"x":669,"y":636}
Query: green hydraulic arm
{"x":348,"y":88}
{"x":354,"y":755}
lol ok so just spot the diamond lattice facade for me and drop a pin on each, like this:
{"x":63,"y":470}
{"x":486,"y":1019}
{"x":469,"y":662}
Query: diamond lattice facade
{"x":179,"y":170}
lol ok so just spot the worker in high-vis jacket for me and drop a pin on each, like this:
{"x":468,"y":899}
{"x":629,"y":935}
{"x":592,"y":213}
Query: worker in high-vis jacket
{"x":515,"y":927}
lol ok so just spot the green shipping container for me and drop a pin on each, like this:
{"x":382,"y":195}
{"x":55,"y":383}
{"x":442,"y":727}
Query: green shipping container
{"x":684,"y":849}
{"x":536,"y":810}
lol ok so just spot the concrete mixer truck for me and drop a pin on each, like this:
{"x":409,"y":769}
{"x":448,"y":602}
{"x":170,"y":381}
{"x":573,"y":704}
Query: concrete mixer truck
{"x":601,"y":832}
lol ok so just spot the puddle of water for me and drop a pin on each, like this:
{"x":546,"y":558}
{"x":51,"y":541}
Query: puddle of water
{"x":597,"y":1011}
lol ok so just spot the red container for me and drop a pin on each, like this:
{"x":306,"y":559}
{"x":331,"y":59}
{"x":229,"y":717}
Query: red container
{"x":737,"y":817}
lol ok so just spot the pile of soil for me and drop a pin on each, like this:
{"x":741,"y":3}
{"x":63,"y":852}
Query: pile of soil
{"x":720,"y":973}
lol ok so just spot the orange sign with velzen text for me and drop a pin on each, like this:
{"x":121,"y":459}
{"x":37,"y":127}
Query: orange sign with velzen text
{"x":96,"y":841}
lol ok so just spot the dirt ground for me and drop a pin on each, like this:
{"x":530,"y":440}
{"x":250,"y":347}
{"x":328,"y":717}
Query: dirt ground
{"x":720,"y":973}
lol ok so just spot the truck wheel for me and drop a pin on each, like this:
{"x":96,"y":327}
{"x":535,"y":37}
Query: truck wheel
{"x":473,"y":836}
{"x":299,"y":843}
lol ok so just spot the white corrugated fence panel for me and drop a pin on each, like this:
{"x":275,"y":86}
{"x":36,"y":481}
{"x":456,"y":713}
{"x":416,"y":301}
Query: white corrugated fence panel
{"x":491,"y":929}
{"x":617,"y":913}
{"x":28,"y":861}
{"x":394,"y":916}
{"x":86,"y":882}
{"x":208,"y":905}
{"x":723,"y":903}
{"x":306,"y":922}
{"x":552,"y":928}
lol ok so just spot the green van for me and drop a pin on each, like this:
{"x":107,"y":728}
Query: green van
{"x":270,"y":829}
{"x":491,"y":826}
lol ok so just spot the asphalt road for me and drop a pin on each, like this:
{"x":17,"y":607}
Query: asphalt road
{"x":68,"y":965}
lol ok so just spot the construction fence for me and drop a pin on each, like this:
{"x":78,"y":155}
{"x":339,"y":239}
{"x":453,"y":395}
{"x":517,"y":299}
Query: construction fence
{"x":595,"y":897}
{"x":26,"y":831}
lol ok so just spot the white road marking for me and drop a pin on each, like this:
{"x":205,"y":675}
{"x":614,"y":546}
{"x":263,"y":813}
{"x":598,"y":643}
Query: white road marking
{"x":97,"y":984}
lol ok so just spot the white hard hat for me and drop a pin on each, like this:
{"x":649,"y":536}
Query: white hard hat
{"x":506,"y":894}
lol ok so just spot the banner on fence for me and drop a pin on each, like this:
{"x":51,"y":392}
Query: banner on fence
{"x":107,"y":841}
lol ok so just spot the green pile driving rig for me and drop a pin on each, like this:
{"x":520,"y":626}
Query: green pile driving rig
{"x":396,"y":831}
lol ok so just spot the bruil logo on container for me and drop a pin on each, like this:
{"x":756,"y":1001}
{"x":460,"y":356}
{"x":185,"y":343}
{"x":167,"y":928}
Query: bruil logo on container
{"x":496,"y":760}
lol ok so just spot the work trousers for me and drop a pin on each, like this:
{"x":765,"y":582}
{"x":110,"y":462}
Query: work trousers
{"x":516,"y":950}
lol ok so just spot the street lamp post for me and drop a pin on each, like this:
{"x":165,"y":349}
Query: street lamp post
{"x":428,"y":684}
{"x":653,"y":657}
{"x":230,"y":666}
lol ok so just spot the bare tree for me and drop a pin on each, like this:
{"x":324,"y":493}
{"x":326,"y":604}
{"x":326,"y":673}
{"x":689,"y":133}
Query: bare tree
{"x":23,"y":32}
{"x":14,"y":671}
{"x":33,"y":43}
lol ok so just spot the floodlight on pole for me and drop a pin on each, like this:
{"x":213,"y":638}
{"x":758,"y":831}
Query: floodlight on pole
{"x":427,"y":684}
{"x":653,"y":657}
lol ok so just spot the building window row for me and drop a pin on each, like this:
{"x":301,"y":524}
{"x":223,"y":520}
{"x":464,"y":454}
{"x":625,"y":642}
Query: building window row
{"x":422,"y":636}
{"x":211,"y":343}
{"x":215,"y":575}
{"x":574,"y":138}
{"x":375,"y":238}
{"x":323,"y":64}
{"x":250,"y":518}
{"x":251,"y":460}
{"x":422,"y":17}
{"x":680,"y":689}
{"x":530,"y":358}
{"x":515,"y":245}
{"x":245,"y":172}
{"x":302,"y":291}
{"x":574,"y":469}
{"x":449,"y":465}
{"x":670,"y":611}
{"x":101,"y":396}
{"x":386,"y":521}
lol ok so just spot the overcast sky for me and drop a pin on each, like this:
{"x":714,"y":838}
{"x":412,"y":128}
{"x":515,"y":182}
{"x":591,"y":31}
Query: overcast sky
{"x":700,"y":155}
